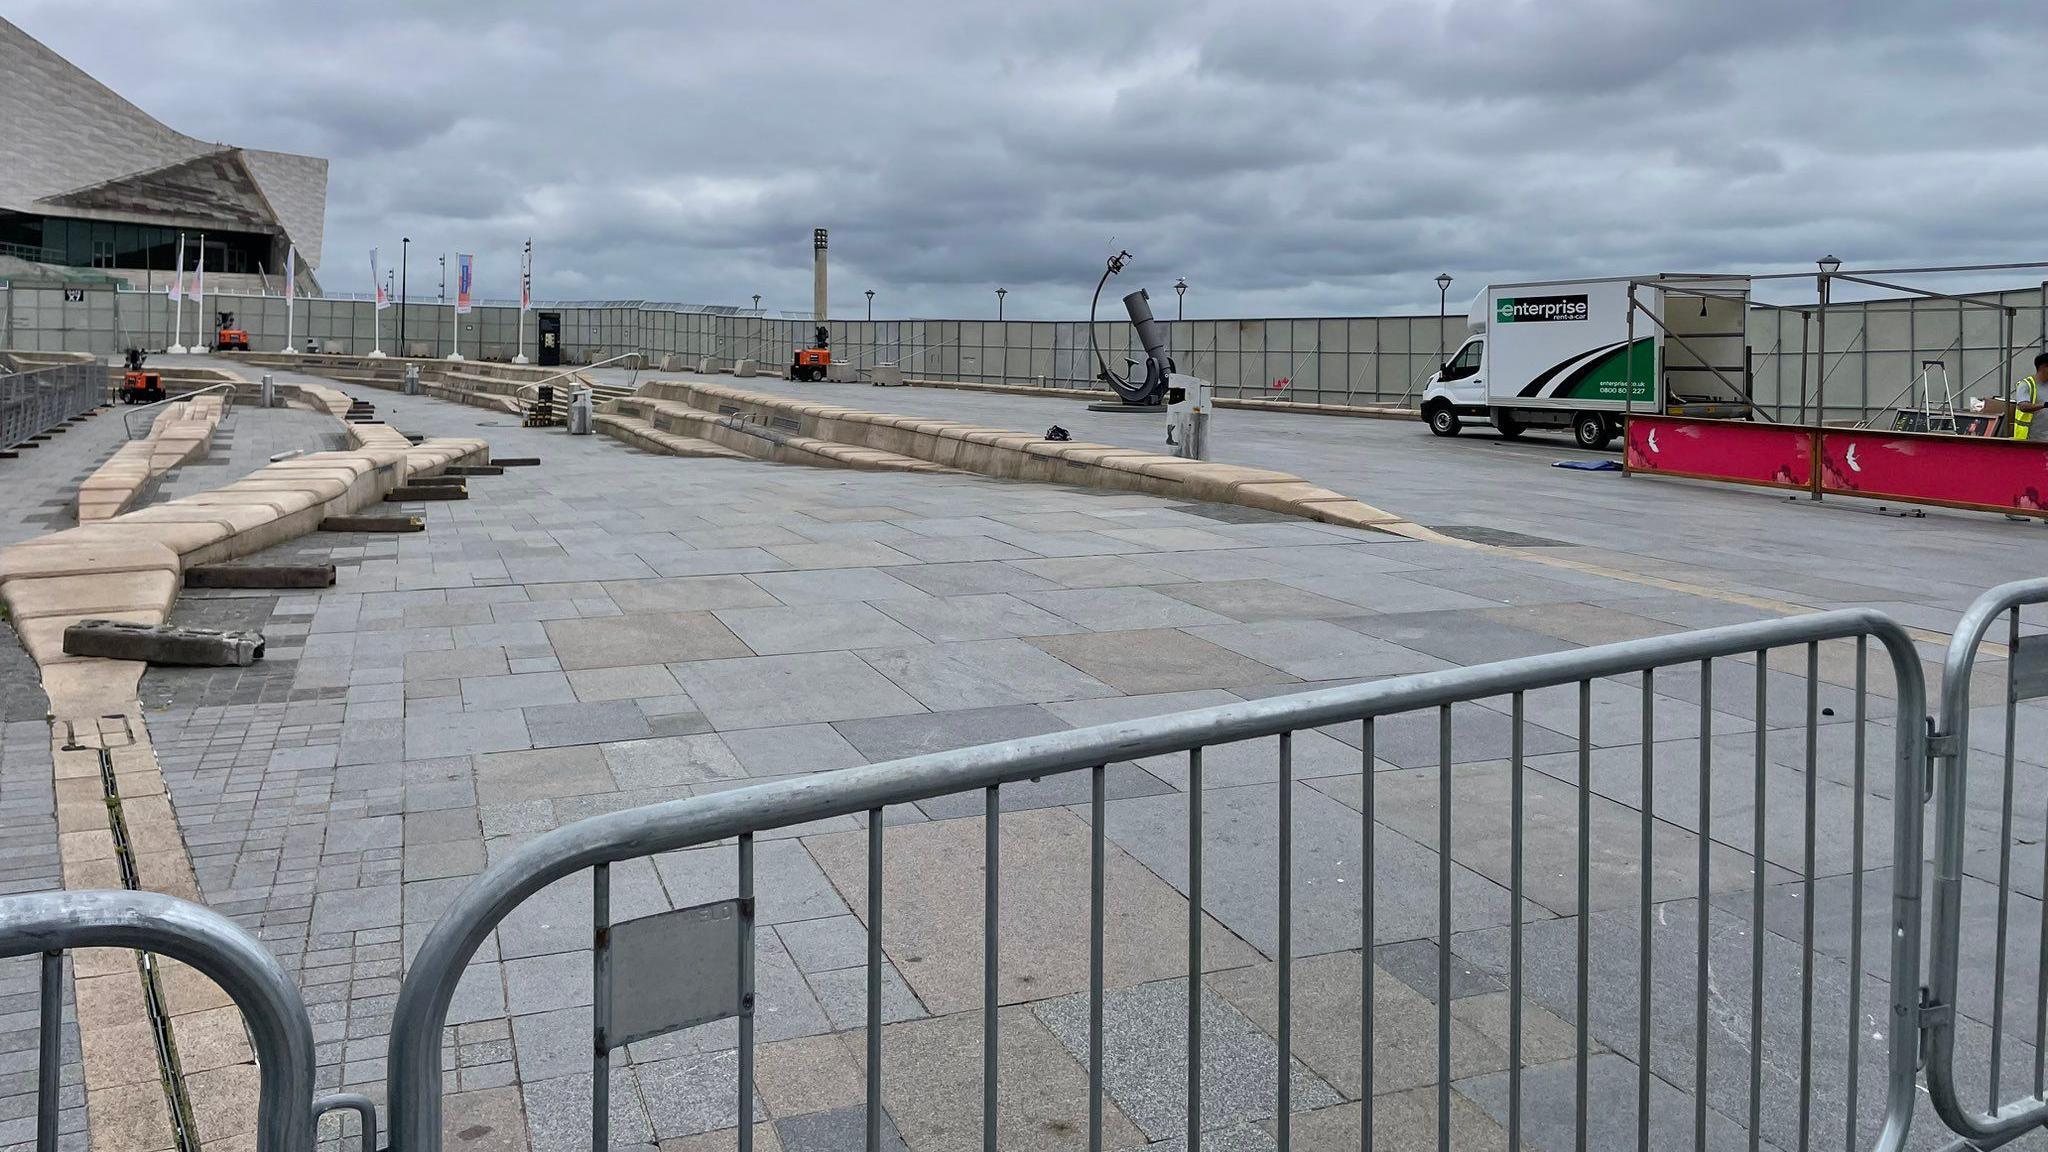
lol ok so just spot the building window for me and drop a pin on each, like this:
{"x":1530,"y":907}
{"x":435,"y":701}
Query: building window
{"x":103,"y":253}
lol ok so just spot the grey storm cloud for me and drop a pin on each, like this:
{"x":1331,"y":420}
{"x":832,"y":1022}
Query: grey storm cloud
{"x":1286,"y":157}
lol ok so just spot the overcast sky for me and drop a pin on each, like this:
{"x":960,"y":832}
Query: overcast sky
{"x":1287,"y":158}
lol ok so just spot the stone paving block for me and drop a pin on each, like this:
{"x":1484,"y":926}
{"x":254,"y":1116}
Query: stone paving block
{"x":542,"y":774}
{"x":835,"y":585}
{"x":1097,"y":572}
{"x":719,"y":561}
{"x":356,"y":909}
{"x":843,"y":993}
{"x":647,"y":638}
{"x":558,"y":1111}
{"x":1317,"y":649}
{"x":1145,"y":1057}
{"x":1483,"y":827}
{"x":464,"y":733}
{"x":932,"y":909}
{"x":686,"y":594}
{"x":1547,"y":1108}
{"x":1157,"y":660}
{"x":792,"y":749}
{"x":1327,"y":1012}
{"x":832,"y":1130}
{"x":1242,"y":762}
{"x":692,"y":1094}
{"x":593,"y":685}
{"x":982,"y":673}
{"x":975,"y":572}
{"x":1400,"y":1120}
{"x":557,"y":918}
{"x":1253,"y":600}
{"x":991,"y":616}
{"x":1121,"y":609}
{"x":454,"y":663}
{"x":798,"y":689}
{"x":1240,"y":872}
{"x":670,"y":761}
{"x":519,"y":690}
{"x":556,"y":725}
{"x":815,"y":628}
{"x":895,"y":737}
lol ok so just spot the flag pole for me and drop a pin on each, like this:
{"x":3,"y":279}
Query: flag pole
{"x":291,"y":272}
{"x":199,"y":298}
{"x":525,"y":300}
{"x":177,"y":347}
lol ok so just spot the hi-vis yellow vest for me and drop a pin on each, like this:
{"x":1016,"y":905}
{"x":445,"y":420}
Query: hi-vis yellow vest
{"x":2023,"y":422}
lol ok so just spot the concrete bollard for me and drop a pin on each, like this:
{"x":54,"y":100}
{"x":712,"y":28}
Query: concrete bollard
{"x":267,"y":392}
{"x":743,"y":367}
{"x":887,"y":375}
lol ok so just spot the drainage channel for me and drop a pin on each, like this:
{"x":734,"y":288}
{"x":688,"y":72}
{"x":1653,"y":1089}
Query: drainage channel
{"x":183,"y":1128}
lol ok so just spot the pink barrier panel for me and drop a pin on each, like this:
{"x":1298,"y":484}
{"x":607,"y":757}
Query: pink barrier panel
{"x":1769,"y":455}
{"x":1953,"y":471}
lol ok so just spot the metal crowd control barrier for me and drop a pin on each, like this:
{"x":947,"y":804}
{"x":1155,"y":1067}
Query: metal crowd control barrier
{"x":32,"y":403}
{"x":2026,"y":677}
{"x":636,"y":962}
{"x":279,"y":1029}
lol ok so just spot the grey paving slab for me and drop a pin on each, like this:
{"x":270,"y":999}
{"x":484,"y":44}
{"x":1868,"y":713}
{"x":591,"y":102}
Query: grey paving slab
{"x":555,"y":725}
{"x":815,"y":628}
{"x":932,"y":908}
{"x":894,"y":737}
{"x":1145,"y":1057}
{"x":541,"y":774}
{"x":982,"y":673}
{"x":989,"y":616}
{"x":791,"y":749}
{"x":485,"y":693}
{"x":592,"y":685}
{"x":686,"y":594}
{"x":1252,"y":599}
{"x":1157,"y":660}
{"x":1317,"y":649}
{"x":464,"y":733}
{"x":647,"y":638}
{"x":1240,"y":874}
{"x":670,"y":761}
{"x":1118,"y":609}
{"x":835,"y":585}
{"x":1097,"y":572}
{"x":762,"y":691}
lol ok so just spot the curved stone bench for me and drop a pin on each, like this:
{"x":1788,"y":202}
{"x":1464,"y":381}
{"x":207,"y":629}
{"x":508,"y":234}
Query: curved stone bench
{"x":180,"y":433}
{"x":989,"y":451}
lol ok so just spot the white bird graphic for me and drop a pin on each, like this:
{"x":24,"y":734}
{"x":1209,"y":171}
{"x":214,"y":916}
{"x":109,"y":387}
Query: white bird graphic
{"x":1851,"y":460}
{"x":1653,"y":440}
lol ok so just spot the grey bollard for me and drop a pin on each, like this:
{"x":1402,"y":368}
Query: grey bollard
{"x":267,"y":393}
{"x":412,"y":379}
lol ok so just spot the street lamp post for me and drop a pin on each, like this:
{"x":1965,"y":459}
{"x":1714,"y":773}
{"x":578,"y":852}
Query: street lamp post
{"x":757,"y":301}
{"x":1180,"y":307}
{"x":1828,"y":265}
{"x":1000,"y":293}
{"x":871,"y":303}
{"x":441,"y":321}
{"x":404,"y":265}
{"x":1443,"y":295}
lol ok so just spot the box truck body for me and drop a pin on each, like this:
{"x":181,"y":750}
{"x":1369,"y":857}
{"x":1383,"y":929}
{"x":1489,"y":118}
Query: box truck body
{"x":1573,"y":354}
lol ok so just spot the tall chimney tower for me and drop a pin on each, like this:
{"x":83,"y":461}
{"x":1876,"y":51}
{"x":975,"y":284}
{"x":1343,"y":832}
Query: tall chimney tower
{"x":818,"y":274}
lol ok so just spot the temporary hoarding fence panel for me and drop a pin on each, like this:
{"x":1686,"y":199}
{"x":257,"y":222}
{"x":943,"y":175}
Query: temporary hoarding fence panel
{"x":1736,"y":451}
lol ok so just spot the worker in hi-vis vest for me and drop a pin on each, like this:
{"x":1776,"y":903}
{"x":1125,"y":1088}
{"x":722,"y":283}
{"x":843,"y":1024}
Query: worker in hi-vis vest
{"x":2026,"y":400}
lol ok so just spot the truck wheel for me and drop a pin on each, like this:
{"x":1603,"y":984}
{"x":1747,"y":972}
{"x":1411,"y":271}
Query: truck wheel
{"x":1442,"y":420}
{"x":1508,"y":427}
{"x":1590,"y":429}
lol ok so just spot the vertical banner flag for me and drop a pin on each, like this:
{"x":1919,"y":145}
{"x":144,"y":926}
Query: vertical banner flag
{"x":526,"y":279}
{"x":176,"y":288}
{"x":462,"y":283}
{"x":291,"y":271}
{"x":197,"y":292}
{"x":377,"y":282}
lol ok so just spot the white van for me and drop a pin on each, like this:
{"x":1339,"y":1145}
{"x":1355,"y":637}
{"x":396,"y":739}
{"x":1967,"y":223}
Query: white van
{"x":1558,"y":355}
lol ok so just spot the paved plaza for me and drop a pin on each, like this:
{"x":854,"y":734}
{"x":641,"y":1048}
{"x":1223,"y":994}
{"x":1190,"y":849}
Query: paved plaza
{"x":612,"y":628}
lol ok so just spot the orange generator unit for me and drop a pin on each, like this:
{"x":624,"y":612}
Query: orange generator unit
{"x":811,"y":363}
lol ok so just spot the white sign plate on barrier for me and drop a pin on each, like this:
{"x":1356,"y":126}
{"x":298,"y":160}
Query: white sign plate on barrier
{"x":676,"y":970}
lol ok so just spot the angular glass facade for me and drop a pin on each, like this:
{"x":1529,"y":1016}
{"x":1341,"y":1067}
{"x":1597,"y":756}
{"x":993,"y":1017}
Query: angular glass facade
{"x":104,"y":244}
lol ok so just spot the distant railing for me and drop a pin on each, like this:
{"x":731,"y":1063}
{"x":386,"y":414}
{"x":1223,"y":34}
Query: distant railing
{"x":32,"y":403}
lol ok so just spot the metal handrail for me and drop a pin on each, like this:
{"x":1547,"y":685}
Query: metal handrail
{"x":141,"y":408}
{"x":414,"y":1074}
{"x":275,"y":1014}
{"x":572,"y":371}
{"x":1983,"y":1129}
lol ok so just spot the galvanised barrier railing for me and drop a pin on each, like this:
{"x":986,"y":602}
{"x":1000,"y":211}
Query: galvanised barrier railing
{"x":2026,"y":678}
{"x":695,"y":965}
{"x":32,"y":403}
{"x":716,"y":941}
